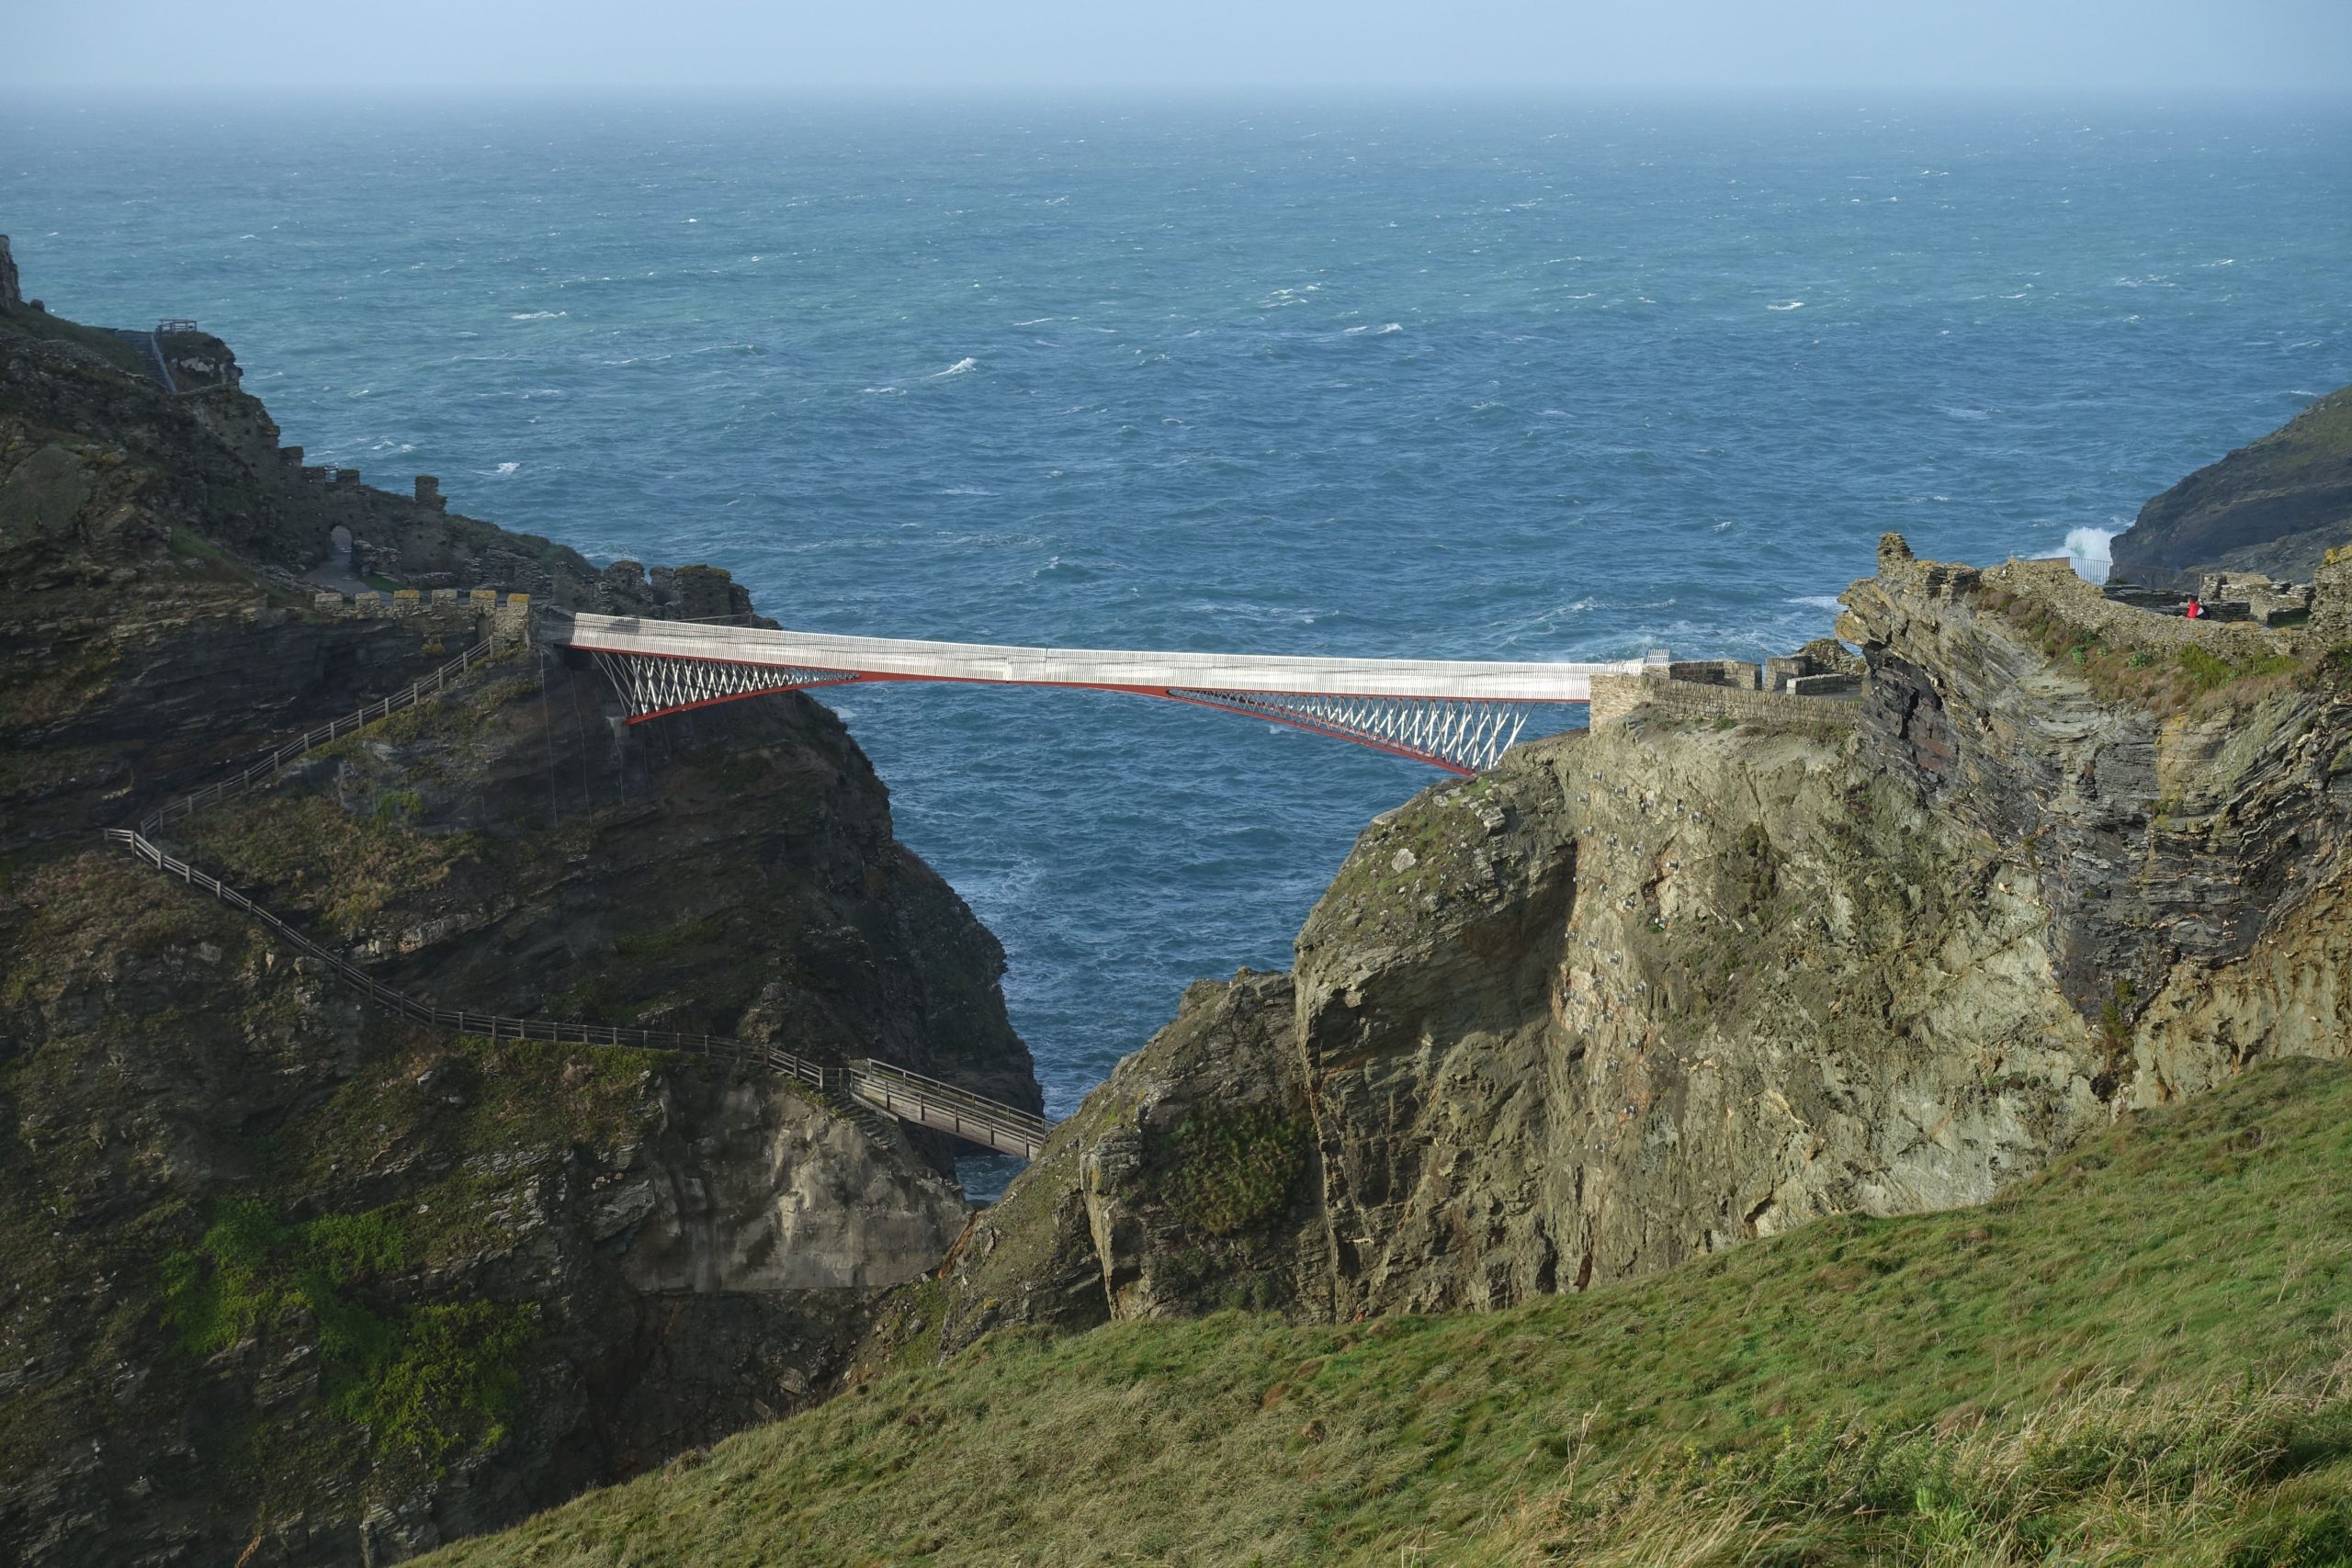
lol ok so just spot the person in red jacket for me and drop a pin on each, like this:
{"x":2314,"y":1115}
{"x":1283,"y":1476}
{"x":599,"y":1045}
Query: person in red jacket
{"x":2195,"y":610}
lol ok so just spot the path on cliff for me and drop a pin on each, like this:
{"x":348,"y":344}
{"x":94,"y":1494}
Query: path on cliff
{"x":857,"y":1088}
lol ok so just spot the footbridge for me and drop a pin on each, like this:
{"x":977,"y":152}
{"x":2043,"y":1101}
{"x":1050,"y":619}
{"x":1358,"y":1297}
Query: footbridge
{"x":1460,"y":715}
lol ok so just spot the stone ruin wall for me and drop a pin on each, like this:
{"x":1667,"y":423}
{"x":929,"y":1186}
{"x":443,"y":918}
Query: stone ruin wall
{"x":2053,"y":585}
{"x":1752,"y":692}
{"x":453,"y":615}
{"x":1615,"y":697}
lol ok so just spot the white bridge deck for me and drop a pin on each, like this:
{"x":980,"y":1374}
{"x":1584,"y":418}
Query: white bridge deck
{"x":902,"y":658}
{"x":1459,"y":714}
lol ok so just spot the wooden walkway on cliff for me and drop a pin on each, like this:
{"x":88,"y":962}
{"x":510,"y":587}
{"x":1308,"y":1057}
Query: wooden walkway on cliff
{"x":1461,"y":715}
{"x":857,"y":1086}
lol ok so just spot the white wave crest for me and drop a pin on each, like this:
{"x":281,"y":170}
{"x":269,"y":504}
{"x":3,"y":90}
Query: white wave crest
{"x":2088,"y":549}
{"x":506,"y":468}
{"x":1787,"y":305}
{"x":538,"y":315}
{"x":959,"y":369}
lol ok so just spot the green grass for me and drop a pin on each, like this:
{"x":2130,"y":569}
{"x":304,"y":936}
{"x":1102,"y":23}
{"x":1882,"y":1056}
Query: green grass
{"x":2136,"y":1357}
{"x":1221,"y":1170}
{"x":2191,"y":679}
{"x":425,"y":1379}
{"x":102,"y":342}
{"x":308,"y":852}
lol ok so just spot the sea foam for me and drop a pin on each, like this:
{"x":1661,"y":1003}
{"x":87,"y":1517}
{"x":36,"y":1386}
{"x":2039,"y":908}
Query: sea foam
{"x":2087,"y":548}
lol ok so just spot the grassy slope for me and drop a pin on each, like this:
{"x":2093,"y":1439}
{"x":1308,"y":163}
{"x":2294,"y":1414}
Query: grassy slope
{"x":2138,"y":1347}
{"x":99,"y":339}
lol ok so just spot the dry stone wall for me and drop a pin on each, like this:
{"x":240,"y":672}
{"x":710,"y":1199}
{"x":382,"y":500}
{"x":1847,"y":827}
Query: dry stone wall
{"x":1617,"y":697}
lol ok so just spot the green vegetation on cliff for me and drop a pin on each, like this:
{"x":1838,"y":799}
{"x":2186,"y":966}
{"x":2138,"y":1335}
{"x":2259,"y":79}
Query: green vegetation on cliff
{"x":2137,"y":1356}
{"x":1221,"y":1170}
{"x":423,"y":1378}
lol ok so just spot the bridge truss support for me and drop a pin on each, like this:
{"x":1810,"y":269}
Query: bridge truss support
{"x":1461,"y":735}
{"x":652,"y":687}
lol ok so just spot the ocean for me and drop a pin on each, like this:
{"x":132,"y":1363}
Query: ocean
{"x":1521,"y":380}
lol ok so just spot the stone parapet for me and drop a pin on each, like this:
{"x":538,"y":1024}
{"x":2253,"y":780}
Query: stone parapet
{"x":2053,"y":586}
{"x":511,"y":625}
{"x":1738,"y":674}
{"x":1615,"y":697}
{"x":2331,"y":622}
{"x":447,"y":609}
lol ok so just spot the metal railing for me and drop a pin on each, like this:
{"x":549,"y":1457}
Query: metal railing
{"x":274,"y":760}
{"x":930,"y":1104}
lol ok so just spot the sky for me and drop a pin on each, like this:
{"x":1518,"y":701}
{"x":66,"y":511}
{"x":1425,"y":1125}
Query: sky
{"x":986,"y":47}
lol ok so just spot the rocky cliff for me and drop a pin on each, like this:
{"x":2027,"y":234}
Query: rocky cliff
{"x":1723,"y":964}
{"x":287,"y":1279}
{"x":2275,"y":506}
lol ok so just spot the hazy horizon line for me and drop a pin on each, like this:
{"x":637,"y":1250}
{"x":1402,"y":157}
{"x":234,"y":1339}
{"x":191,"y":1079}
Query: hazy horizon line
{"x":1100,"y":95}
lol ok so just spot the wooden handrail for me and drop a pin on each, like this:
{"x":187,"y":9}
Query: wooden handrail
{"x":272,"y":761}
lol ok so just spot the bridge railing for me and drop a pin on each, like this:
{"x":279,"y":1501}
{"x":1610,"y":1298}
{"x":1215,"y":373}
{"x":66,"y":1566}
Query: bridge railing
{"x":275,"y":759}
{"x":933,"y":1103}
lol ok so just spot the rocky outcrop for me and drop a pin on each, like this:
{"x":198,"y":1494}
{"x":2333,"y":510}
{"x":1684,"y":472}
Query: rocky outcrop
{"x":1703,"y":974}
{"x":283,"y":1272}
{"x":1186,"y":1182}
{"x":283,"y":1278}
{"x":2169,"y":824}
{"x":2275,"y":506}
{"x":211,"y":466}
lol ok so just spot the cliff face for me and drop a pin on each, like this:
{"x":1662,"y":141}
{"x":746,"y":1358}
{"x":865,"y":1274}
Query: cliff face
{"x":284,"y":1276}
{"x":1643,"y":992}
{"x":2275,"y":506}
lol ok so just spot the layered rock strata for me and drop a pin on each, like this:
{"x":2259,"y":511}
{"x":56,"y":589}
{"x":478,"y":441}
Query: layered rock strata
{"x":1718,"y":967}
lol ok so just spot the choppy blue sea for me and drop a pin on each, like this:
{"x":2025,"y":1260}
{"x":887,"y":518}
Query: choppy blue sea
{"x":1523,"y":382}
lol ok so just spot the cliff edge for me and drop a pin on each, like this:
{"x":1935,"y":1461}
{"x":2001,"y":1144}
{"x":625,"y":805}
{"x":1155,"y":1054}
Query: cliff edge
{"x":288,"y":1279}
{"x":1727,"y":962}
{"x":2275,"y":506}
